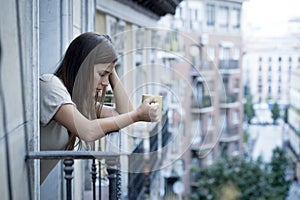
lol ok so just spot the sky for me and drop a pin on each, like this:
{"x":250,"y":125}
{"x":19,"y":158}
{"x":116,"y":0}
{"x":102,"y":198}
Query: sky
{"x":269,"y":17}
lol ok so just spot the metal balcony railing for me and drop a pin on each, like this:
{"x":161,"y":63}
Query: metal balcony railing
{"x":228,"y":64}
{"x":112,"y":161}
{"x":205,"y":66}
{"x":230,"y":133}
{"x":230,"y":98}
{"x":203,"y":102}
{"x":136,"y":178}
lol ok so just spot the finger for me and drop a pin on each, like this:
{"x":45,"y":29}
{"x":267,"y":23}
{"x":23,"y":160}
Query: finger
{"x":149,"y":100}
{"x":154,"y":106}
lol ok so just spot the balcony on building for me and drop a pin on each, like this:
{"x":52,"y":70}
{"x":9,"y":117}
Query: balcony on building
{"x":93,"y":184}
{"x":229,"y":66}
{"x":205,"y":141}
{"x":230,"y":134}
{"x":203,"y":105}
{"x":205,"y":68}
{"x":230,"y":100}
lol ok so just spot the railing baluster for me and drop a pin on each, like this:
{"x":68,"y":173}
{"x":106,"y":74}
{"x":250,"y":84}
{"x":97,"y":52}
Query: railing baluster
{"x":94,"y":177}
{"x":112,"y":176}
{"x":100,"y":197}
{"x":68,"y":176}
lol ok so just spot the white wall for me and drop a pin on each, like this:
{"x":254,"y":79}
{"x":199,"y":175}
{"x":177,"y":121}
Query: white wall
{"x":19,"y":104}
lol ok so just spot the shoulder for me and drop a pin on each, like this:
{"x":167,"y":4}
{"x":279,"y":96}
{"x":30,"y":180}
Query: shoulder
{"x":53,"y":88}
{"x":49,"y":82}
{"x":49,"y":78}
{"x":53,"y":94}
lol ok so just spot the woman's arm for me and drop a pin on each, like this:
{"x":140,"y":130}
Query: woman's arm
{"x":123,"y":104}
{"x":91,"y":130}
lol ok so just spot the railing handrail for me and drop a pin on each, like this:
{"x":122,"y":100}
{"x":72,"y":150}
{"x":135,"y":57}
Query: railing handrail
{"x":58,"y":155}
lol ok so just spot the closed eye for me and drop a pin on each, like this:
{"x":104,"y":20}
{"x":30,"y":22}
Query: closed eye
{"x":104,"y":73}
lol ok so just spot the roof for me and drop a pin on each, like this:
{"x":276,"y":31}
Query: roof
{"x":153,"y":8}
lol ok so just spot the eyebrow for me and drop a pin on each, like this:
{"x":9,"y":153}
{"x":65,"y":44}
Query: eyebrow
{"x":105,"y":71}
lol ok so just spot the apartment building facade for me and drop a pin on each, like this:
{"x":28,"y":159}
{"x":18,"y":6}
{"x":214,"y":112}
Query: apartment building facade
{"x":268,"y":66}
{"x":293,"y":136}
{"x":212,"y":51}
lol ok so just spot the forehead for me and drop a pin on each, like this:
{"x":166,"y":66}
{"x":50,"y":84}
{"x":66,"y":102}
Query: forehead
{"x":104,"y":66}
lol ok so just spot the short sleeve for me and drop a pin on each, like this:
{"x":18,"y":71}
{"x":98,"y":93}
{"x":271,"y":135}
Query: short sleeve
{"x":53,"y":94}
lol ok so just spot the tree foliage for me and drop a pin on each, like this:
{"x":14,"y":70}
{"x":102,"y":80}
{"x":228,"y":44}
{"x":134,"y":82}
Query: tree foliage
{"x":243,"y":179}
{"x":249,"y":111}
{"x":286,"y":116}
{"x":275,"y":112}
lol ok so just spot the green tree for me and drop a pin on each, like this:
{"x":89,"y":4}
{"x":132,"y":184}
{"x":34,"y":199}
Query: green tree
{"x":277,"y":176}
{"x":275,"y":112}
{"x":249,"y":111}
{"x":286,"y":116}
{"x":243,"y":178}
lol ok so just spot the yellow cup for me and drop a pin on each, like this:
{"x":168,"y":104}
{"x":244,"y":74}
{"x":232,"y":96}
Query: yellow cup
{"x":159,"y":101}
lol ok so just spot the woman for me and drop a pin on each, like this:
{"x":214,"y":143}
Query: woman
{"x":71,"y":100}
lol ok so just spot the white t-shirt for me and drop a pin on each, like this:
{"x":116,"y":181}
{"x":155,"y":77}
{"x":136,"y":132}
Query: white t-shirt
{"x":53,"y":136}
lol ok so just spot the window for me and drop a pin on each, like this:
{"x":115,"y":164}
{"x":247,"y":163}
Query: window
{"x":260,"y":59}
{"x":211,"y":52}
{"x":259,"y":88}
{"x":235,"y":146}
{"x":179,"y":16}
{"x":178,"y":13}
{"x":270,"y":68}
{"x":198,"y":90}
{"x":279,"y":59}
{"x":195,"y":21}
{"x":279,"y":68}
{"x":279,"y":90}
{"x":235,"y":18}
{"x":259,"y":79}
{"x":269,"y":79}
{"x":224,"y":53}
{"x":269,"y":89}
{"x":270,"y":59}
{"x":236,"y":53}
{"x":290,"y":59}
{"x":235,"y":117}
{"x":259,"y":68}
{"x":210,"y":13}
{"x":196,"y":131}
{"x":223,"y":16}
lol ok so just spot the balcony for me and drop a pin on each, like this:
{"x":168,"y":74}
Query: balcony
{"x":230,"y":100}
{"x":136,"y":176}
{"x":206,"y":143}
{"x":293,"y":139}
{"x":112,"y":161}
{"x":230,"y":134}
{"x":204,"y":105}
{"x":205,"y":68}
{"x":229,"y":66}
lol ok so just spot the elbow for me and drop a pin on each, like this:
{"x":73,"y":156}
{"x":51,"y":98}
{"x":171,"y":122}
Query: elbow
{"x":87,"y":138}
{"x":92,"y":132}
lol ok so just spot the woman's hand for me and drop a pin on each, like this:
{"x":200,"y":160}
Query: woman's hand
{"x":148,"y":110}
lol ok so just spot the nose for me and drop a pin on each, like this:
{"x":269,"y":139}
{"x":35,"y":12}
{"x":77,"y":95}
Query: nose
{"x":104,"y":81}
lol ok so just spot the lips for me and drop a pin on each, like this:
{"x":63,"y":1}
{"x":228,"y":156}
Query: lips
{"x":99,"y":92}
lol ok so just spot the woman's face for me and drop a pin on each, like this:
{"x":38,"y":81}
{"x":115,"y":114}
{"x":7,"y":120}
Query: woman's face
{"x":101,"y":76}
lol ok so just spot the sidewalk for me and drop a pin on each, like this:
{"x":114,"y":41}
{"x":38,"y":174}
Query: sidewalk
{"x":294,"y":192}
